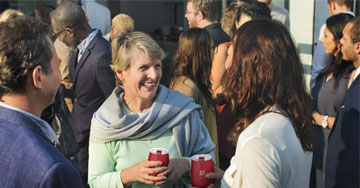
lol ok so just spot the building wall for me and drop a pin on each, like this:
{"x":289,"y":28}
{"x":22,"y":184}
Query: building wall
{"x":302,"y":28}
{"x":150,"y":15}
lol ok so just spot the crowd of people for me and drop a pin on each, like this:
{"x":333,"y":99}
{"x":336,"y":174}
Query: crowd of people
{"x":82,"y":104}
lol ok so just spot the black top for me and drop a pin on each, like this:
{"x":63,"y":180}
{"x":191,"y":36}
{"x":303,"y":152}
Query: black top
{"x":217,"y":35}
{"x":328,"y":100}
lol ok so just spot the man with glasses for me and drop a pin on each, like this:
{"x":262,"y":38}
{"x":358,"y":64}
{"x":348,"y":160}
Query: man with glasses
{"x":203,"y":14}
{"x":89,"y":71}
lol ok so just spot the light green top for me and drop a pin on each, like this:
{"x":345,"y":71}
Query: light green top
{"x":107,"y":160}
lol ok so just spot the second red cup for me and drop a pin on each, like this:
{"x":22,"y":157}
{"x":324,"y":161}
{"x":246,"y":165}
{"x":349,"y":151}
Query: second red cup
{"x":200,"y":166}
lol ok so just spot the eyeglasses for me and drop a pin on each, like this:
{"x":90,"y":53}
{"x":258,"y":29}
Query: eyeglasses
{"x":56,"y":35}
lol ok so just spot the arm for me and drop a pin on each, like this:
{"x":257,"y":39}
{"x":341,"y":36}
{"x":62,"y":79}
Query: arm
{"x":102,"y":171}
{"x":218,"y":67}
{"x":318,"y":119}
{"x":61,"y":175}
{"x":192,"y":139}
{"x":104,"y":75}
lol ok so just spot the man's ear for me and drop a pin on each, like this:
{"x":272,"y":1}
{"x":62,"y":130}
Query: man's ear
{"x":70,"y":31}
{"x":201,"y":15}
{"x":357,"y":47}
{"x":37,"y":78}
{"x":331,"y":6}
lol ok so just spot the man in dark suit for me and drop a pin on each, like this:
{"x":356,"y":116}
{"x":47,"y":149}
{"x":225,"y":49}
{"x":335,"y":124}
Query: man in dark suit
{"x":89,"y":70}
{"x":29,"y":79}
{"x":342,"y":161}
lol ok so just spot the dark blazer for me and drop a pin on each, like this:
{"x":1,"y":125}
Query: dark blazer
{"x":28,"y":159}
{"x":342,"y":161}
{"x":93,"y":81}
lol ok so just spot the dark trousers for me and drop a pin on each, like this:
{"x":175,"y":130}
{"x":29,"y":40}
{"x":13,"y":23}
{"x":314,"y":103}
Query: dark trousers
{"x":83,"y":158}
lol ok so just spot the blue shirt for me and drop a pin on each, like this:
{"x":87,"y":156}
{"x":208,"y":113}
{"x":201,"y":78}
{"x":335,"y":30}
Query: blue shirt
{"x":85,"y":43}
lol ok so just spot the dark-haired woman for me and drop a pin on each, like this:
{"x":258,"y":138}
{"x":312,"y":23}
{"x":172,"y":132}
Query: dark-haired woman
{"x":192,"y":64}
{"x":274,"y":132}
{"x":329,"y":91}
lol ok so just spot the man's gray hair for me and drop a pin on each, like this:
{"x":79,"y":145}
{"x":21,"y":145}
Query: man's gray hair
{"x":67,"y":15}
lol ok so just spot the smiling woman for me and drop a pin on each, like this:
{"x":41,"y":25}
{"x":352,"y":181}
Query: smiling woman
{"x":139,"y":115}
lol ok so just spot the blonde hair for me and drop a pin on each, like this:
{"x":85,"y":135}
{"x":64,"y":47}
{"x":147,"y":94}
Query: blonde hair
{"x":123,"y":24}
{"x":125,"y":47}
{"x":10,"y":14}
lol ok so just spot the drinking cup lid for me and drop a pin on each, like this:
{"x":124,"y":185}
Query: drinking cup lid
{"x":161,"y":151}
{"x":201,"y":157}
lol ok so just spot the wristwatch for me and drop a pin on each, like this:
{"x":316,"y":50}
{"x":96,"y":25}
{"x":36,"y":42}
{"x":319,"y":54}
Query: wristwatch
{"x":324,"y":122}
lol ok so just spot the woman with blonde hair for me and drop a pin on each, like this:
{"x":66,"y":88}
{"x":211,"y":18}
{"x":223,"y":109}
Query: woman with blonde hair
{"x":139,"y":115}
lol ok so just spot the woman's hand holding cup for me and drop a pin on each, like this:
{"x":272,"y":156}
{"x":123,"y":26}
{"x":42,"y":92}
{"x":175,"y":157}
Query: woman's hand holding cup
{"x":142,"y":172}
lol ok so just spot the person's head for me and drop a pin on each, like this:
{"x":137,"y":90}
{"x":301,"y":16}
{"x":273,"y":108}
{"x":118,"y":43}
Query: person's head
{"x":137,"y":64}
{"x":339,"y":6}
{"x":201,"y":13}
{"x":42,"y":11}
{"x":261,"y":76}
{"x":193,"y":59}
{"x":333,"y":33}
{"x":10,"y":14}
{"x":228,"y":19}
{"x":350,"y":42}
{"x":252,"y":10}
{"x":267,"y":2}
{"x":69,"y":21}
{"x":28,"y":62}
{"x":331,"y":42}
{"x":121,"y":24}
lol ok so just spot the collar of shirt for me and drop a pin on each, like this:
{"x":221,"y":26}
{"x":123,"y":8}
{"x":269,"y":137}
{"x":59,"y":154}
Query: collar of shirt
{"x":44,"y":126}
{"x":85,"y":43}
{"x":357,"y":72}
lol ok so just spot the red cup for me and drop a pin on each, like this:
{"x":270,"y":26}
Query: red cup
{"x":200,"y":166}
{"x":159,"y":154}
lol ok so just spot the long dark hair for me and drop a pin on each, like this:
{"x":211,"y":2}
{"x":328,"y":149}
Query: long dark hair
{"x":265,"y":71}
{"x":337,"y":65}
{"x":193,"y":60}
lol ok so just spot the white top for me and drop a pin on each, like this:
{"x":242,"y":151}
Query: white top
{"x":269,"y":154}
{"x":99,"y":16}
{"x":357,"y":72}
{"x":280,"y":14}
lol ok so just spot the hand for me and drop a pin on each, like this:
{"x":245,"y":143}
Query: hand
{"x":317,"y":118}
{"x":177,"y":168}
{"x":141,"y":172}
{"x":217,"y":175}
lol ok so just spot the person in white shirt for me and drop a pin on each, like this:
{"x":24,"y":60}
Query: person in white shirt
{"x":99,"y":15}
{"x":278,"y":13}
{"x":274,"y":132}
